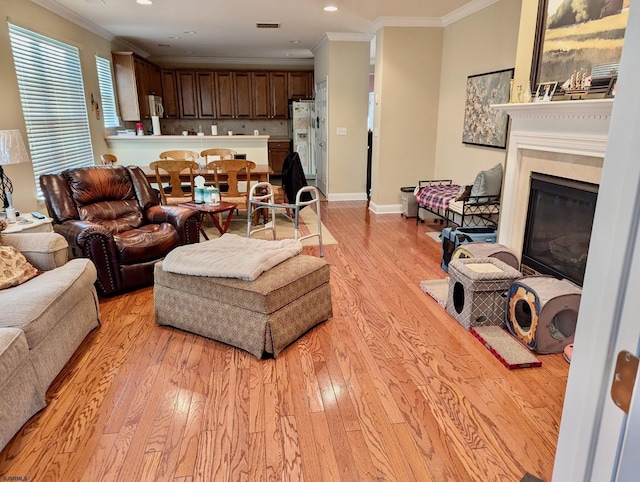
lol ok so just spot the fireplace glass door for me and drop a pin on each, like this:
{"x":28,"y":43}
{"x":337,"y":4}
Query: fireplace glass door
{"x":558,"y":228}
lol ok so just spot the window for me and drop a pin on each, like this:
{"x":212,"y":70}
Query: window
{"x":53,"y":102}
{"x":105,"y":82}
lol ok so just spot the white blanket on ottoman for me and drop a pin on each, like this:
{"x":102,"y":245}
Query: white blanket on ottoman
{"x":230,"y":256}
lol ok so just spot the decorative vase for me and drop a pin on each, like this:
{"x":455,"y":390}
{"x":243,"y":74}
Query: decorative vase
{"x":512,"y":94}
{"x":527,"y":93}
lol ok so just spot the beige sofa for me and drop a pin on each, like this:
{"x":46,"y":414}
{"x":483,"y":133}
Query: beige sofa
{"x":42,"y":323}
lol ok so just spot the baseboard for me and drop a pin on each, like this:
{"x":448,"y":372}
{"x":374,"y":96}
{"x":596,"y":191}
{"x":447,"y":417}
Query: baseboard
{"x":347,"y":196}
{"x":385,"y":208}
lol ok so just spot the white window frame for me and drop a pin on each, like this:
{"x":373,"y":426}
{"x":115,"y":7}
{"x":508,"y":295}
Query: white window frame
{"x":53,"y":102}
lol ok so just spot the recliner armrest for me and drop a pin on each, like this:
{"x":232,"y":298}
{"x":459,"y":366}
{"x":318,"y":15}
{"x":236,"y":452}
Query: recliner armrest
{"x":185,"y":220}
{"x":76,"y":232}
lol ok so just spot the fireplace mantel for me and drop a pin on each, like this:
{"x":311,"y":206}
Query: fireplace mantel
{"x":574,"y":132}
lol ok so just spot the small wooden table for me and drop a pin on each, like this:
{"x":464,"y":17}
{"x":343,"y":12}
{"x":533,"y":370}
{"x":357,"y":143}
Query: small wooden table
{"x":212,"y":210}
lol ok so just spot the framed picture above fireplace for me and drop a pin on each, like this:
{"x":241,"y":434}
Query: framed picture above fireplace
{"x":574,"y":35}
{"x":484,"y":125}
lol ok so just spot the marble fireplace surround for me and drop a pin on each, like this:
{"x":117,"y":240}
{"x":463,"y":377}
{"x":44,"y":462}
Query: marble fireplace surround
{"x":564,"y":138}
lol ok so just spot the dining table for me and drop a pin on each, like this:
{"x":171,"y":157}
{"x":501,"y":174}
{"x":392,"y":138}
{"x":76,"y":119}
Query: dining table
{"x":260,"y":173}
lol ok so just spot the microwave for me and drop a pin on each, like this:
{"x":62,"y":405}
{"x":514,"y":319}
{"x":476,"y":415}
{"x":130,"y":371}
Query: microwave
{"x":155,"y":106}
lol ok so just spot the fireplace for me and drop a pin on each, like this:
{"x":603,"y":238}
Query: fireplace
{"x":558,"y":227}
{"x":560,"y":139}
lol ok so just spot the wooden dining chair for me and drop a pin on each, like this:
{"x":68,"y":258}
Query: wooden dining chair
{"x":180,"y":154}
{"x":175,"y":193}
{"x":108,"y":159}
{"x":232,"y":167}
{"x":222,"y":153}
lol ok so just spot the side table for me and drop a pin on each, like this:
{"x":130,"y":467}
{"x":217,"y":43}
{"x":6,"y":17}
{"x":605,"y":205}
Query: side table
{"x":211,"y":210}
{"x":28,"y":224}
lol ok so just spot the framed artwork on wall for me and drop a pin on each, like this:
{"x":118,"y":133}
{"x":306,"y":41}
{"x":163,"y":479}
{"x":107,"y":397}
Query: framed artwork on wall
{"x":578,"y":36}
{"x":483,"y":125}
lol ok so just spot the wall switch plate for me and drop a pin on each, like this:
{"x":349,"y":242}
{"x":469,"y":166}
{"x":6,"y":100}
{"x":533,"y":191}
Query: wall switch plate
{"x":341,"y":131}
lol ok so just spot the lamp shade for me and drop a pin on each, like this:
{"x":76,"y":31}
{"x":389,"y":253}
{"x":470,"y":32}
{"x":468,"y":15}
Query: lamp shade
{"x":12,"y":148}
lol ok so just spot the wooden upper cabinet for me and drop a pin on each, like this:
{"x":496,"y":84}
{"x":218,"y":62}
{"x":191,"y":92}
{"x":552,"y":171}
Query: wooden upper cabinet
{"x":155,"y":79}
{"x":206,"y":95}
{"x":170,"y":94}
{"x":135,"y":79}
{"x":300,"y":85}
{"x":224,"y":95}
{"x":233,"y":95}
{"x":270,"y":98}
{"x":187,"y":94}
{"x":129,"y":76}
{"x":261,"y":95}
{"x":243,"y":95}
{"x":279,"y":95}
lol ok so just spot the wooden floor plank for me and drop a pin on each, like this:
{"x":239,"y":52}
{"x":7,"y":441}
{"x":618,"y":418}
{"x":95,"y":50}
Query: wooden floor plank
{"x":390,"y":388}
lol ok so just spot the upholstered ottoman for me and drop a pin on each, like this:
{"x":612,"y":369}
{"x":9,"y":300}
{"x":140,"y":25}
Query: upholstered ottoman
{"x":262,"y":316}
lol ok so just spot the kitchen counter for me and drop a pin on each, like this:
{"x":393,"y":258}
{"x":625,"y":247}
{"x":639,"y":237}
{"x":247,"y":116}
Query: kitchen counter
{"x":143,"y":150}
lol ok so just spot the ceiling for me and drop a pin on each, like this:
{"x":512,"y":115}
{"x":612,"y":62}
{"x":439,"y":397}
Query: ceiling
{"x":212,"y":31}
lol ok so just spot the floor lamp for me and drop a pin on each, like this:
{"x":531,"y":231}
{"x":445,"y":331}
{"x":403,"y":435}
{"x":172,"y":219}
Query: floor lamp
{"x":12,"y":151}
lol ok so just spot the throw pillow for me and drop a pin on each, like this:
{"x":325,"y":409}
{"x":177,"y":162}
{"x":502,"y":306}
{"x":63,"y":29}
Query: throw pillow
{"x":14,"y":268}
{"x":487,"y":183}
{"x":464,"y":193}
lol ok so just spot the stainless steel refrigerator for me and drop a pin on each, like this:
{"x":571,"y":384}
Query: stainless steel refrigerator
{"x":303,"y":115}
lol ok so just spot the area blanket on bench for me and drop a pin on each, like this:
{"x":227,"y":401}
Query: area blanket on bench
{"x":437,"y":196}
{"x":230,"y":256}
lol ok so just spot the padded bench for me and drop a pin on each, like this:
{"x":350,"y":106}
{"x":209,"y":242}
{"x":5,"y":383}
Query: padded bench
{"x":262,"y":317}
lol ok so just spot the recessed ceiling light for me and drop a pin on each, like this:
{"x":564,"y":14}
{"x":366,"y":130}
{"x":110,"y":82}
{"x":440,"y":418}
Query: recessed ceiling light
{"x":174,"y":38}
{"x":294,"y":41}
{"x":164,"y":45}
{"x":144,"y":2}
{"x":330,"y":8}
{"x":190,"y":32}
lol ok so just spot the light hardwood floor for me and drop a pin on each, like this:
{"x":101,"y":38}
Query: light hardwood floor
{"x":391,"y":388}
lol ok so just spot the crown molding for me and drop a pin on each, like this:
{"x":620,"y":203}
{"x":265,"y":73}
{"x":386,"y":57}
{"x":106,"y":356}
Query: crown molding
{"x":381,"y":22}
{"x":342,"y":37}
{"x":73,"y":17}
{"x":349,"y":37}
{"x":466,"y":10}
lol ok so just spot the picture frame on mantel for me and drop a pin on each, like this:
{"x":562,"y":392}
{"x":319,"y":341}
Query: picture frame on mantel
{"x":484,"y":125}
{"x":571,"y":36}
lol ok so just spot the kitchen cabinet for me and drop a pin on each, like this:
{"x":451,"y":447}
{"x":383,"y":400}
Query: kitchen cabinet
{"x":196,"y":94}
{"x":270,"y":96}
{"x":170,"y":94}
{"x":300,"y":85}
{"x":278,"y":152}
{"x":233,"y":94}
{"x":135,"y":78}
{"x":187,"y":94}
{"x":206,"y":95}
{"x":155,"y":79}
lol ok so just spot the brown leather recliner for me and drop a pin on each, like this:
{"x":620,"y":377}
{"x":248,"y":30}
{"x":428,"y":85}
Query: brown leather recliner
{"x":111,"y":215}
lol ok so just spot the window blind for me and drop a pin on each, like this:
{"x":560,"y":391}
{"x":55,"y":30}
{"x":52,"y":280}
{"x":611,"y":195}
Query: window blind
{"x":105,"y":82}
{"x":53,"y":102}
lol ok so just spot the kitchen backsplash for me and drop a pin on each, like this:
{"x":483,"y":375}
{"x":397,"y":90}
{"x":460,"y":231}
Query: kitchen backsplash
{"x":273,"y":128}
